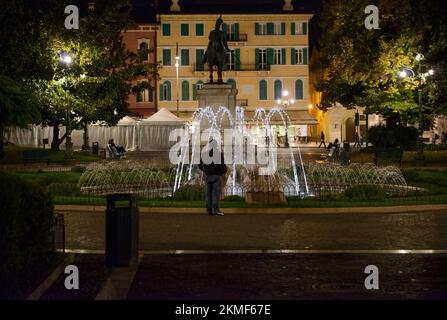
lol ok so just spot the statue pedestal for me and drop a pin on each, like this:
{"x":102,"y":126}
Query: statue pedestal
{"x":217,"y":95}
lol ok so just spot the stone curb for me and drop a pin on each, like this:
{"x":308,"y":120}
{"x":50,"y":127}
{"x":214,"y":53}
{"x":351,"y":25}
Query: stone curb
{"x":441,"y":208}
{"x":40,"y":290}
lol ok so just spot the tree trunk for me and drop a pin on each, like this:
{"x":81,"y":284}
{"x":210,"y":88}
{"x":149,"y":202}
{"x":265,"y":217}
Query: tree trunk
{"x":2,"y":149}
{"x":56,"y":142}
{"x":86,"y":142}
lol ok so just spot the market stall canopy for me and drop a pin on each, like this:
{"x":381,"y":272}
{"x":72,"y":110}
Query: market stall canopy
{"x":162,"y":117}
{"x":296,"y":117}
{"x":126,"y":121}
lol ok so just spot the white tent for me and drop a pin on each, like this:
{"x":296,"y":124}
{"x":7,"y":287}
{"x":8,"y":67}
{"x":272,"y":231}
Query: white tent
{"x":154,"y":131}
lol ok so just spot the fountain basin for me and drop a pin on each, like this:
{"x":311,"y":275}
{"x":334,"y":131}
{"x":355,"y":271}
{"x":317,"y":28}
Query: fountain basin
{"x":265,"y":197}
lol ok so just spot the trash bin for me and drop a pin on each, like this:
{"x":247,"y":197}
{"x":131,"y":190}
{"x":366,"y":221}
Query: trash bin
{"x":121,"y":230}
{"x":95,"y":148}
{"x":345,"y":154}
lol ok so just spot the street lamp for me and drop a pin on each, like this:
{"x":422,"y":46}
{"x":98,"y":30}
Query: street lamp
{"x":408,"y":72}
{"x":177,"y":64}
{"x":285,"y":102}
{"x":66,"y":60}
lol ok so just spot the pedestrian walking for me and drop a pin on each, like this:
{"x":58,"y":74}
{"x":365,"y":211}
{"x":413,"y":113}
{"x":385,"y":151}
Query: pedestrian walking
{"x":322,"y":140}
{"x":214,"y":168}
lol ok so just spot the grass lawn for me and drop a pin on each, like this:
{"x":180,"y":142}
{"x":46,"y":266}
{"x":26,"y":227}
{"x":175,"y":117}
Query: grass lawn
{"x":44,"y":178}
{"x":13,"y":155}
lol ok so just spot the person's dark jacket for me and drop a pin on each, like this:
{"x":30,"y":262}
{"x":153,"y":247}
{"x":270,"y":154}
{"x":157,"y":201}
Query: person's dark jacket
{"x":218,"y":169}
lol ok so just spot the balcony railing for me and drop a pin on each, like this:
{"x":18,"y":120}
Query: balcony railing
{"x":233,"y":37}
{"x":242,"y":67}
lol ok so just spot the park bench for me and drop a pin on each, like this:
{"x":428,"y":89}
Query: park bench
{"x":390,"y":154}
{"x":36,"y":156}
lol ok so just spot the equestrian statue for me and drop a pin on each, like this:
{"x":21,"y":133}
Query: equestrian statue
{"x":215,"y":53}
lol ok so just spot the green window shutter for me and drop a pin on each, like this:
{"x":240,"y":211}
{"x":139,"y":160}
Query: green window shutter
{"x":169,"y":90}
{"x":304,"y":55}
{"x":237,"y":57}
{"x":194,"y":91}
{"x":199,"y":59}
{"x":292,"y":29}
{"x":304,"y":27}
{"x":199,"y":29}
{"x":185,"y":90}
{"x":257,"y":29}
{"x":162,"y":97}
{"x":224,"y":28}
{"x":278,"y":89}
{"x":283,"y":56}
{"x":184,"y":29}
{"x":166,"y":29}
{"x":299,"y":90}
{"x":269,"y":56}
{"x":270,"y":28}
{"x":283,"y":28}
{"x":257,"y":59}
{"x":236,"y":31}
{"x":166,"y":57}
{"x":293,"y":55}
{"x":263,"y":90}
{"x":185,"y":57}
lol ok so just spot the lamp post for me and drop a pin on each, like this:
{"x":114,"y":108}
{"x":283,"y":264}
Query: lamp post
{"x":406,"y":72}
{"x":177,"y":64}
{"x":285,"y":102}
{"x":66,"y":60}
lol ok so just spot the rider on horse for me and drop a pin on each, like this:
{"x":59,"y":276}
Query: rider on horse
{"x":215,"y":53}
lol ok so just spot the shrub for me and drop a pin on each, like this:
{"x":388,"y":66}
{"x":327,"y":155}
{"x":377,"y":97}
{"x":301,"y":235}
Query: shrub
{"x":77,"y":169}
{"x":234,"y":198}
{"x":383,"y":137}
{"x":365,"y":192}
{"x":190,"y":193}
{"x":25,"y":228}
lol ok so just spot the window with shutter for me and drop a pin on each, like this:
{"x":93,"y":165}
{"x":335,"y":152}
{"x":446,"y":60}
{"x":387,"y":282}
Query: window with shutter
{"x":200,"y":29}
{"x":185,"y":57}
{"x":299,"y":90}
{"x":166,"y":57}
{"x":166,"y":29}
{"x":185,"y":90}
{"x":199,"y":59}
{"x":278,"y":89}
{"x":184,"y":29}
{"x":270,"y":28}
{"x":262,"y":90}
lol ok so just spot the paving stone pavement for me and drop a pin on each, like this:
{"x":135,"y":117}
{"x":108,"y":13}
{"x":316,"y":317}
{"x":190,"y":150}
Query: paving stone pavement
{"x":85,"y":230}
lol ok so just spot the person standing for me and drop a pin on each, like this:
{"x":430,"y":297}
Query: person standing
{"x":322,"y":140}
{"x":214,"y":168}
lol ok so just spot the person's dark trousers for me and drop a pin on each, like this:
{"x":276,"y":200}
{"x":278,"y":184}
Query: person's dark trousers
{"x":322,"y":143}
{"x":213,"y":190}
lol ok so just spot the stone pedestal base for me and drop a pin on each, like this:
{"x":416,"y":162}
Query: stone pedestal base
{"x":217,"y":95}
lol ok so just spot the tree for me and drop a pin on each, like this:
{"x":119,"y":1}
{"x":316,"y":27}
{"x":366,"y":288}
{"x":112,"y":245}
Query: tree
{"x":23,"y":61}
{"x":99,"y":78}
{"x":360,"y":66}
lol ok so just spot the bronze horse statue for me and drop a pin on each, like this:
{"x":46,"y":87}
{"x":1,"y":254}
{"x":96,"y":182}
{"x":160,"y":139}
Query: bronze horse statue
{"x":215,"y":53}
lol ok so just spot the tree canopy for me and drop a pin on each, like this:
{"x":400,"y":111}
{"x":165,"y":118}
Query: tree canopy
{"x":360,"y":67}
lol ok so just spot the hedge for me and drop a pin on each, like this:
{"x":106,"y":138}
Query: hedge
{"x":26,"y":211}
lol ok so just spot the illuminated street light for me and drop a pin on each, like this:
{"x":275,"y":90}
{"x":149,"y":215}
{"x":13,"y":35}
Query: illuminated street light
{"x":66,"y":58}
{"x":177,"y":64}
{"x":285,"y":102}
{"x":422,"y":77}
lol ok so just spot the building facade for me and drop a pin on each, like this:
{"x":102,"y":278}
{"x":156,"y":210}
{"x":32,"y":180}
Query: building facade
{"x":144,"y":36}
{"x":269,"y":54}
